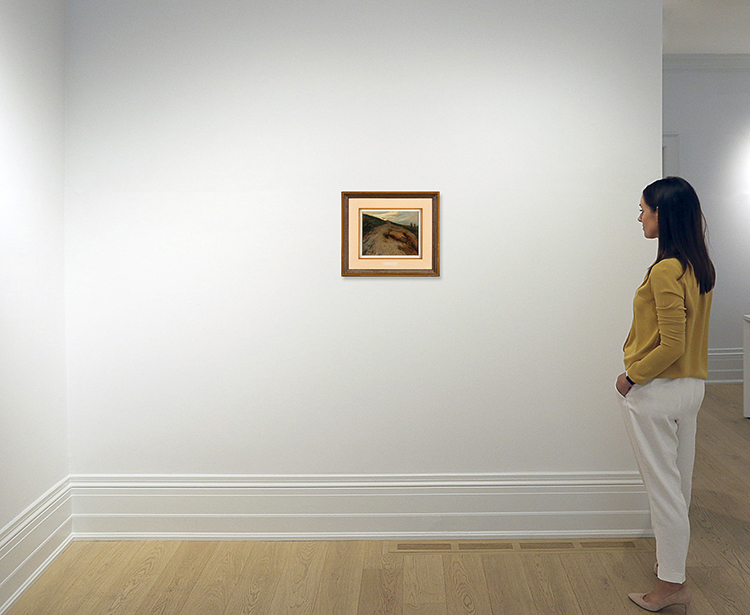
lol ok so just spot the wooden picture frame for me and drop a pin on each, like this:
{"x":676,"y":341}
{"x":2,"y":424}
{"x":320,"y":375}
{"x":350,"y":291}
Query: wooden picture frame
{"x":390,"y":234}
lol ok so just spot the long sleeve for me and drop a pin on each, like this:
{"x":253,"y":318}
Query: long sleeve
{"x":669,"y":303}
{"x":669,"y":334}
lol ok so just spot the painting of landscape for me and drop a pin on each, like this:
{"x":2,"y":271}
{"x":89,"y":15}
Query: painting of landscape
{"x":391,"y":233}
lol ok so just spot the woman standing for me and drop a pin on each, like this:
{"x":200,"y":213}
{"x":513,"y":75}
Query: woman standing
{"x":666,"y":362}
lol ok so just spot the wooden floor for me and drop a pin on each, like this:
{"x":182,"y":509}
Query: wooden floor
{"x":367,"y":578}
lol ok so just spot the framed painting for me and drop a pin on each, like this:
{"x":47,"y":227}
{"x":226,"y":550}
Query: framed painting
{"x":390,"y":234}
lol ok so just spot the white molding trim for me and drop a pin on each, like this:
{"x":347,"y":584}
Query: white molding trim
{"x":316,"y":507}
{"x":725,"y":366}
{"x":378,"y":507}
{"x":707,"y":61}
{"x":30,"y":542}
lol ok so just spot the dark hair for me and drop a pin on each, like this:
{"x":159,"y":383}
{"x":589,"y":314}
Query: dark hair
{"x":682,"y":228}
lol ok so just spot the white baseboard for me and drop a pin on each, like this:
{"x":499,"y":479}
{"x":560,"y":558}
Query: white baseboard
{"x":725,"y":366}
{"x":32,"y":541}
{"x":377,"y":507}
{"x":359,"y":507}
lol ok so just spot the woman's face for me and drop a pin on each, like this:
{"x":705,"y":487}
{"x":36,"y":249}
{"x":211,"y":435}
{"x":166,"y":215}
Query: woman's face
{"x":649,"y":218}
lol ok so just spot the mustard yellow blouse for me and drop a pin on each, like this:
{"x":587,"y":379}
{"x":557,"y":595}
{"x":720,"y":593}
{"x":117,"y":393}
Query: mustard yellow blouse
{"x":669,"y":334}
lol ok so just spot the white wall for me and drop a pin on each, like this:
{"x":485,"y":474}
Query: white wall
{"x":208,"y":144}
{"x":33,"y":426}
{"x":35,"y":512}
{"x":707,"y":105}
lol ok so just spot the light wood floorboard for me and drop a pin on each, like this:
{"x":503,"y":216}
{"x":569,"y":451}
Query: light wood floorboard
{"x":443,"y":578}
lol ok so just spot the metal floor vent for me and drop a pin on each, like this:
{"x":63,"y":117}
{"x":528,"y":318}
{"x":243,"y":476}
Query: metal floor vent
{"x":521,"y":546}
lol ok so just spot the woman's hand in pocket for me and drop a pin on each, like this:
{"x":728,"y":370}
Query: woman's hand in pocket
{"x":622,"y":385}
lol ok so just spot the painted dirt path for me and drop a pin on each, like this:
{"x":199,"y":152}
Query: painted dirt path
{"x":390,"y":240}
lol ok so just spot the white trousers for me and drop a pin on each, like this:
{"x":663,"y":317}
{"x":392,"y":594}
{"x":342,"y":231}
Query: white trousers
{"x":661,"y":418}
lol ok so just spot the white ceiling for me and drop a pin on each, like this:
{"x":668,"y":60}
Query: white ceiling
{"x":706,"y":26}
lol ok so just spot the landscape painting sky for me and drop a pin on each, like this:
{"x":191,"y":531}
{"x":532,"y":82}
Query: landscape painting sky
{"x":397,"y":216}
